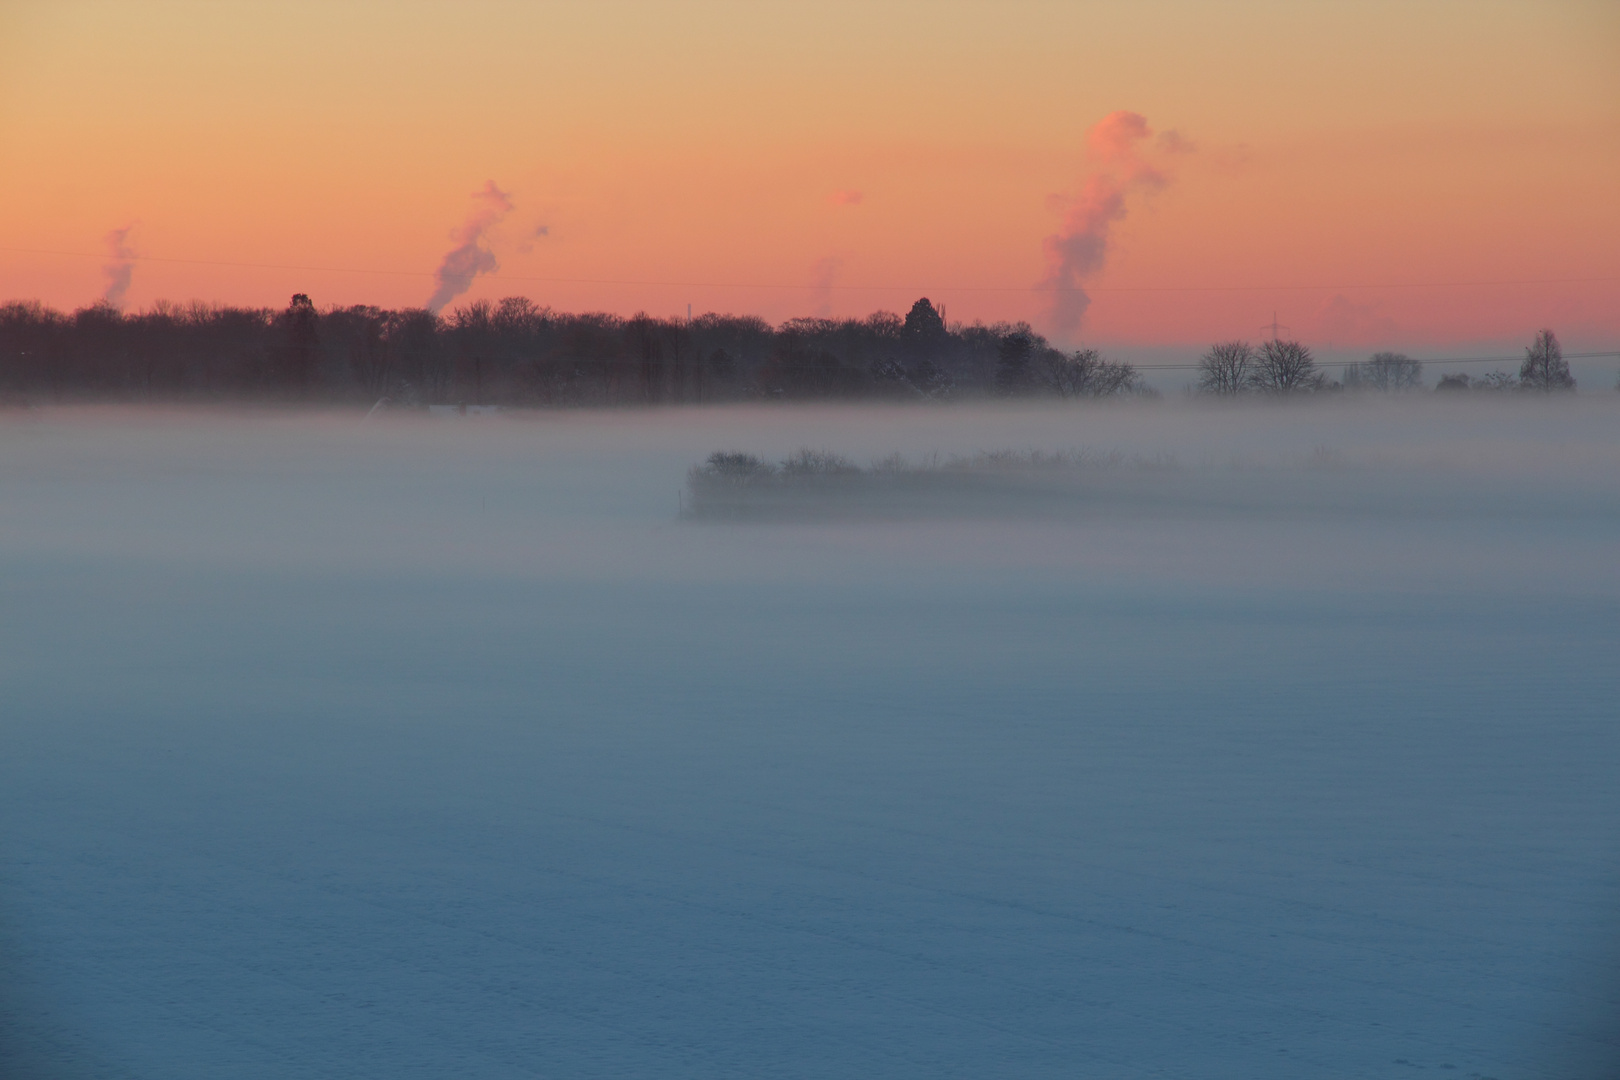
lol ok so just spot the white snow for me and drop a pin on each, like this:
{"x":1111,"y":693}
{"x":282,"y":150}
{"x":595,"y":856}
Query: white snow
{"x":403,"y":748}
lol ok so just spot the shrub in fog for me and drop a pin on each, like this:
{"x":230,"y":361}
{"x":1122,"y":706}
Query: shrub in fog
{"x":818,"y":463}
{"x":1226,"y":368}
{"x":1490,"y":382}
{"x":1385,"y":371}
{"x":733,"y":484}
{"x":735,"y":465}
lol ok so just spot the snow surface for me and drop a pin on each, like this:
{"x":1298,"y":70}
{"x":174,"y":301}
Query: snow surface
{"x":417,"y":747}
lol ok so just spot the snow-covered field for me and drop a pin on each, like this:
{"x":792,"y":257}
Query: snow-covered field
{"x":444,"y":748}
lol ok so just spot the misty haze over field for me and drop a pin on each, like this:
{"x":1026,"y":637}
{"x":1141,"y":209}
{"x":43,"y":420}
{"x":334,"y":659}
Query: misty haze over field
{"x":847,"y":541}
{"x":447,"y":745}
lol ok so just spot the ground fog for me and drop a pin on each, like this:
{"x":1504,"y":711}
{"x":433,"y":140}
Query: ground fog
{"x":455,"y":746}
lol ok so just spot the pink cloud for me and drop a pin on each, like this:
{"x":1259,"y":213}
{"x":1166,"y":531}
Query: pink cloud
{"x":846,"y":197}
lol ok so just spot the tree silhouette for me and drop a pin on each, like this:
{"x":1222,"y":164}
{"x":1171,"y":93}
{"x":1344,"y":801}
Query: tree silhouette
{"x":647,"y":346}
{"x":516,"y":352}
{"x":303,"y":338}
{"x":1015,"y":360}
{"x":1384,"y":371}
{"x":368,"y":348}
{"x":1086,"y":374}
{"x":1226,"y":368}
{"x":923,"y":336}
{"x":1285,"y":367}
{"x":1544,"y":366}
{"x":923,"y":326}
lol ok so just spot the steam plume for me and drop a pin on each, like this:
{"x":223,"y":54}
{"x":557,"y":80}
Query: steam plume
{"x":120,"y":266}
{"x":822,"y":275}
{"x":1079,"y":251}
{"x":469,"y":257}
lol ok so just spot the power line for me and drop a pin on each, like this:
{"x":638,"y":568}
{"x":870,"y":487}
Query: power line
{"x":918,"y":289}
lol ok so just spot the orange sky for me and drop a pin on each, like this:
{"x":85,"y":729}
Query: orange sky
{"x":1359,"y":147}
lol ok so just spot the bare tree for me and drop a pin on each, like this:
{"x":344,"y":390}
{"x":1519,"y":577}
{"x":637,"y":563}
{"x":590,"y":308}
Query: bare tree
{"x":1544,"y":366}
{"x":1285,"y":367}
{"x":1385,"y":371}
{"x":1226,"y":368}
{"x":1086,"y":374}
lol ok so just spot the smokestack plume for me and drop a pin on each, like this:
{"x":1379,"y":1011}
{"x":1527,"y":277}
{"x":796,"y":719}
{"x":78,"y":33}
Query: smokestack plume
{"x":469,"y":257}
{"x":120,"y":266}
{"x":822,"y":275}
{"x":1116,"y":146}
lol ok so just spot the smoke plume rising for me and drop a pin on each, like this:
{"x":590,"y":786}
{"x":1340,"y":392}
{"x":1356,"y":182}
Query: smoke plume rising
{"x":1079,"y":251}
{"x":120,"y":266}
{"x":822,"y":275}
{"x":469,"y":257}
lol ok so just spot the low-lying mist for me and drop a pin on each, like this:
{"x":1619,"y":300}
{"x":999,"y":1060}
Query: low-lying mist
{"x":603,"y":493}
{"x":1263,"y":738}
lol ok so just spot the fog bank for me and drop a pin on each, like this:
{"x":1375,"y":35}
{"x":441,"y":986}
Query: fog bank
{"x":362,"y":746}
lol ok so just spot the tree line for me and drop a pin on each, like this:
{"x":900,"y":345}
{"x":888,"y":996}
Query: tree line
{"x":1287,"y":367}
{"x":515,"y":352}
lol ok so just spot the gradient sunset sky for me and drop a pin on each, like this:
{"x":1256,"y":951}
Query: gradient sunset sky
{"x":1401,"y":173}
